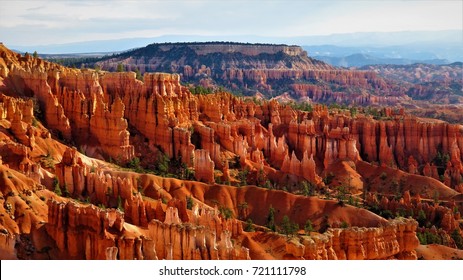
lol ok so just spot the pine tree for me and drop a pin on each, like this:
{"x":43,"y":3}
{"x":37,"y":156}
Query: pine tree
{"x":271,"y":219}
{"x":189,"y":202}
{"x":120,"y":67}
{"x":138,"y":75}
{"x":249,"y":226}
{"x":308,"y":227}
{"x":288,"y":227}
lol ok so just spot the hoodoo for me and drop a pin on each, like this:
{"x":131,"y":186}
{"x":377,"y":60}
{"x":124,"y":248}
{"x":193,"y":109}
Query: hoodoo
{"x":100,"y":165}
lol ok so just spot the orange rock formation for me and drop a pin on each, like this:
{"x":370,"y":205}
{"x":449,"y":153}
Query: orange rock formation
{"x":115,"y":117}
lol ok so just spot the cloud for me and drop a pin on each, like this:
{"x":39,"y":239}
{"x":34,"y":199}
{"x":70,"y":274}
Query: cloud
{"x":36,"y":8}
{"x":70,"y":21}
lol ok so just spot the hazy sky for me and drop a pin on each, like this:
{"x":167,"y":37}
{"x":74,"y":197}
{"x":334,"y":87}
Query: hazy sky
{"x":51,"y":22}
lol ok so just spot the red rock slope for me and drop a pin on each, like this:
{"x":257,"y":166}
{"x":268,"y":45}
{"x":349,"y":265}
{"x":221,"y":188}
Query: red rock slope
{"x":72,"y":203}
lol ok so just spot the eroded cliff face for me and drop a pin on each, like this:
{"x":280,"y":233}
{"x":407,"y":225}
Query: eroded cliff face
{"x":167,"y":117}
{"x":88,"y":232}
{"x":115,"y":117}
{"x":437,"y":84}
{"x":72,"y":103}
{"x":153,"y":230}
{"x":260,"y":68}
{"x":395,"y":240}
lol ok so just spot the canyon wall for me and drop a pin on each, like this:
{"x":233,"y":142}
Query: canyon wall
{"x":46,"y":108}
{"x":260,"y":68}
{"x":169,"y":118}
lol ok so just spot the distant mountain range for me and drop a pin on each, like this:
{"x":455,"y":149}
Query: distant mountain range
{"x":360,"y":59}
{"x":380,"y":47}
{"x":287,"y":72}
{"x":348,"y":56}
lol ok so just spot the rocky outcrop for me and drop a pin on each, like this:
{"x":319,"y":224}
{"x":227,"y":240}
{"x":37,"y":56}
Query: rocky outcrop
{"x":87,"y":232}
{"x":78,"y":179}
{"x":31,"y":78}
{"x":446,"y":215}
{"x":7,"y":250}
{"x":20,"y":114}
{"x":156,"y":109}
{"x":72,"y":103}
{"x":204,"y":166}
{"x":172,"y":120}
{"x":438,"y":84}
{"x":245,"y":49}
{"x":401,"y":139}
{"x":266,"y":143}
{"x":260,"y":68}
{"x":82,"y":232}
{"x":395,"y":240}
{"x":305,"y":168}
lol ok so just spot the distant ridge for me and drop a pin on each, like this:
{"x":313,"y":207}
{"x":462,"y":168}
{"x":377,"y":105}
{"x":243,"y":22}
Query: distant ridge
{"x":221,"y":43}
{"x":280,"y":71}
{"x":203,"y":48}
{"x":248,"y":68}
{"x":360,"y":59}
{"x":436,"y":41}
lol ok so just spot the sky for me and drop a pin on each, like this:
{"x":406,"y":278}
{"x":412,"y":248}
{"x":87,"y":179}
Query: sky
{"x":30,"y":22}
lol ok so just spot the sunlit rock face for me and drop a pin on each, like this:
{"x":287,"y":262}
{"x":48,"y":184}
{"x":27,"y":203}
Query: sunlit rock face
{"x":68,"y":138}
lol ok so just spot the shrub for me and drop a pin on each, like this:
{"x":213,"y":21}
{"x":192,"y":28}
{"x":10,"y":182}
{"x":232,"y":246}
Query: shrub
{"x":56,"y":187}
{"x":271,"y":218}
{"x":120,"y":207}
{"x":288,"y":227}
{"x":353,"y":112}
{"x":383,"y":176}
{"x":329,"y":178}
{"x":48,"y":160}
{"x":344,"y":224}
{"x":421,"y":218}
{"x":200,"y":90}
{"x":138,"y":75}
{"x":302,"y":106}
{"x":35,"y":123}
{"x":387,"y":214}
{"x":242,"y":176}
{"x":457,"y":238}
{"x":66,"y":192}
{"x":226,"y":212}
{"x":134,"y":164}
{"x":341,"y":195}
{"x":308,"y":227}
{"x":242,"y":209}
{"x":268,"y":185}
{"x":308,"y":188}
{"x":428,"y":237}
{"x":189,"y":202}
{"x":440,"y":161}
{"x":120,"y":67}
{"x":162,"y":164}
{"x":249,"y":227}
{"x":352,"y":201}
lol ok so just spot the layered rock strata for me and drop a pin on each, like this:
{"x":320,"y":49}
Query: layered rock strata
{"x":115,"y":116}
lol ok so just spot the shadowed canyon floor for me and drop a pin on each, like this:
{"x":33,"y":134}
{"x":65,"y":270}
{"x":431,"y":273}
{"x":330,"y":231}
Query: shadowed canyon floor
{"x":100,"y":165}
